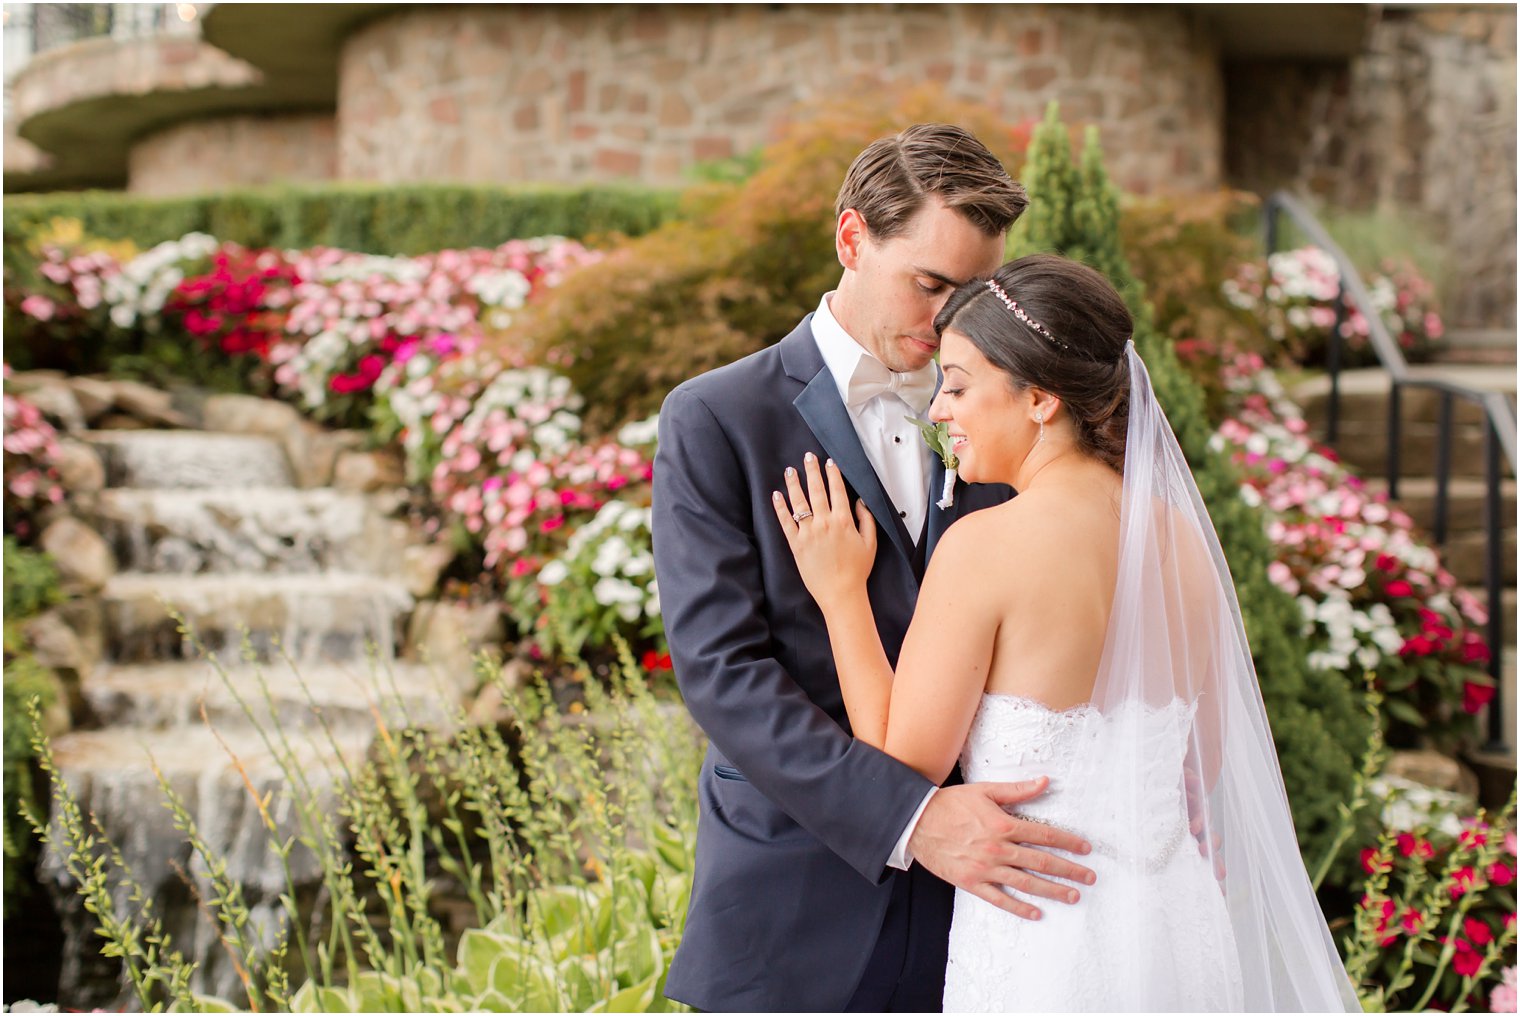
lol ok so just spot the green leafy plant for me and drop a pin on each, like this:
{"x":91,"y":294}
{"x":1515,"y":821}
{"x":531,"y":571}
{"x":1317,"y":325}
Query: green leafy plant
{"x":569,"y":831}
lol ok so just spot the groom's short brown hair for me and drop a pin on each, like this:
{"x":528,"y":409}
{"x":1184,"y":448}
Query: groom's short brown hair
{"x":890,"y":180}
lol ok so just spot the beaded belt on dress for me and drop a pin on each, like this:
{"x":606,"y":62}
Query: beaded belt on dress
{"x":1154,"y":863}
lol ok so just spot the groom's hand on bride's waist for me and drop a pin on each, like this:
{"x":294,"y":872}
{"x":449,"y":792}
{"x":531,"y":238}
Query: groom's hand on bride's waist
{"x":966,"y":838}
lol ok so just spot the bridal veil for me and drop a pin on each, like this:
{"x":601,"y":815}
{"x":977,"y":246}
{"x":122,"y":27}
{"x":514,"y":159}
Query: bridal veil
{"x":1176,"y":634}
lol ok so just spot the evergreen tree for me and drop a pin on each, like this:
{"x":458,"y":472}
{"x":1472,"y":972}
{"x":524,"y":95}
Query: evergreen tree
{"x":1317,"y":723}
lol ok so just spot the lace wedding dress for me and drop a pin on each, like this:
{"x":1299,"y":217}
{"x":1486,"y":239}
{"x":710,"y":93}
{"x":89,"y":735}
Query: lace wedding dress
{"x":1068,"y":960}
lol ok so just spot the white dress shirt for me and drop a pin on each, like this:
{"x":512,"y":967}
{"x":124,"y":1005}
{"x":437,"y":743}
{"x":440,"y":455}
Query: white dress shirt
{"x":896,"y":450}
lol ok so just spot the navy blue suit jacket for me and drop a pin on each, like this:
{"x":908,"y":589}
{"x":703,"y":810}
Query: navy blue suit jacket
{"x":797,"y":818}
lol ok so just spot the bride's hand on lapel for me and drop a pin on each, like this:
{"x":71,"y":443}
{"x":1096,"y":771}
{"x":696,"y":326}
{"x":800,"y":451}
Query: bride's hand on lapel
{"x":834,"y":548}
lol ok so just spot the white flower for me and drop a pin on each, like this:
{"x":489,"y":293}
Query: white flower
{"x":610,"y":592}
{"x":554,"y":573}
{"x":642,"y":432}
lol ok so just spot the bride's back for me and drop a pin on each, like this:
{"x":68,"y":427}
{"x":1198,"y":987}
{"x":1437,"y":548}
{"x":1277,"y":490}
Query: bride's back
{"x":1052,"y":562}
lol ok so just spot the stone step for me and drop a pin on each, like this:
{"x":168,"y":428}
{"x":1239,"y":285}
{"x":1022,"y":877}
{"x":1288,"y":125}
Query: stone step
{"x":1364,"y":447}
{"x":188,"y":458}
{"x":1465,"y":555}
{"x":1465,"y":498}
{"x":190,"y":530}
{"x":330,"y":616}
{"x":162,"y":695}
{"x":1364,"y":394}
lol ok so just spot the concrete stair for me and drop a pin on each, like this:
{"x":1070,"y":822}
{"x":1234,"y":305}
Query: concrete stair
{"x":1484,"y":361}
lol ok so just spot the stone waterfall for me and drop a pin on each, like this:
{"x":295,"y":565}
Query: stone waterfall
{"x":300,"y":595}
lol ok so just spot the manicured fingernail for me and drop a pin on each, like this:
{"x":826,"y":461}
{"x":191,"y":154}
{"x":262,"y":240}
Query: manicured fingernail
{"x":1071,"y":897}
{"x":791,"y":471}
{"x":1090,"y":878}
{"x":831,"y":462}
{"x":810,"y":457}
{"x":775,"y":495}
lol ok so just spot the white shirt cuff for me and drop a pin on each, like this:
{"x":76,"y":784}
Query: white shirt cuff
{"x":902,"y":857}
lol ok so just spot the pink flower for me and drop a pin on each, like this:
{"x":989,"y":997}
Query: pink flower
{"x":39,"y":307}
{"x":1398,"y":587}
{"x":1500,"y":873}
{"x":1503,"y":997}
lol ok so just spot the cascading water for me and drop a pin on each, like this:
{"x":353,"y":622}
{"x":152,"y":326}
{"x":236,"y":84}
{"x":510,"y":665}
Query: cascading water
{"x":298,"y":595}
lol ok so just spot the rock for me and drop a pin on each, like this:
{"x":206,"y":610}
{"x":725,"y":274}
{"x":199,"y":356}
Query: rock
{"x":1432,"y":769}
{"x":55,"y":644}
{"x":245,"y":414}
{"x":421,"y":566}
{"x":23,"y":382}
{"x":122,"y":421}
{"x":447,"y":635}
{"x":148,"y":404}
{"x":57,"y":402}
{"x":82,"y":615}
{"x":313,"y":451}
{"x":83,"y":557}
{"x":95,"y":397}
{"x":366,"y":471}
{"x":79,"y":467}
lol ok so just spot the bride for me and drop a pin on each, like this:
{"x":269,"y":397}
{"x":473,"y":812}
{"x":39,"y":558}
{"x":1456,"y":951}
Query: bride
{"x":1087,"y":631}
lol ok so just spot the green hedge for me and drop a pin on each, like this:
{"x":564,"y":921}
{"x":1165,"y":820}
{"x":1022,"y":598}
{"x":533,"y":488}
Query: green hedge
{"x":411,"y":219}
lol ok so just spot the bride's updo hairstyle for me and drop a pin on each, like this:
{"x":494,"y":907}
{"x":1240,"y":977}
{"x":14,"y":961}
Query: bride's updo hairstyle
{"x":1067,"y":336}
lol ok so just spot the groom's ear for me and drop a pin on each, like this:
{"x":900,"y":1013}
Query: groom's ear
{"x":849,"y":233}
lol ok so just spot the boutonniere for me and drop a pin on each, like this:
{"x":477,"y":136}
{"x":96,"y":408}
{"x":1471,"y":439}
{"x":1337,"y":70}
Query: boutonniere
{"x":937,"y":437}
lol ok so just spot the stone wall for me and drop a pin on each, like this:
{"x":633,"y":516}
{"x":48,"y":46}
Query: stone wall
{"x":604,"y":92}
{"x":207,"y":155}
{"x":1421,"y":123}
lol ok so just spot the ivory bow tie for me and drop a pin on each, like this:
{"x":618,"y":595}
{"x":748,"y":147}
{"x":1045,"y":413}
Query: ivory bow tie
{"x":872,"y":378}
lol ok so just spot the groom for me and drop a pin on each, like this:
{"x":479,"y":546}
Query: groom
{"x":806,"y":895}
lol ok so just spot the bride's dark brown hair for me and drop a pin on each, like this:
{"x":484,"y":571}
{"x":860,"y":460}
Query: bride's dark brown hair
{"x":1081,"y":360}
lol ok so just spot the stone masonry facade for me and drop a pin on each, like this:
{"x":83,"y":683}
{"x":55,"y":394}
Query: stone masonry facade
{"x":247,"y":151}
{"x":1421,"y":123}
{"x":561,"y":93}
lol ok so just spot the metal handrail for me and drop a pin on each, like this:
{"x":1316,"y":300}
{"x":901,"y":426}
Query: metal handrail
{"x":1498,"y":434}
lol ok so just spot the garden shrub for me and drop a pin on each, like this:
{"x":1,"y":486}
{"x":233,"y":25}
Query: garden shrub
{"x":738,"y":271}
{"x":1183,"y":250}
{"x":1316,"y":722}
{"x":373,"y":218}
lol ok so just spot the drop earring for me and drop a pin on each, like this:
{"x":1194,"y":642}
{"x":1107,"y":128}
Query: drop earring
{"x":1039,"y":418}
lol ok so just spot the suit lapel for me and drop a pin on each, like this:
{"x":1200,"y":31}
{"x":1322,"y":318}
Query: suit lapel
{"x":939,"y":518}
{"x":820,"y":406}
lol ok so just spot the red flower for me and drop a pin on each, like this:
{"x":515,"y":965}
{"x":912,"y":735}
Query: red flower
{"x":1477,"y":931}
{"x":1373,"y":862}
{"x":1418,"y":645}
{"x":1476,"y":696}
{"x":1500,"y":873}
{"x":551,"y":524}
{"x":654,"y":661}
{"x":1463,"y":879}
{"x":1398,"y":587}
{"x":1411,"y":845}
{"x":1386,"y":562}
{"x":1466,"y":962}
{"x":1411,"y":920}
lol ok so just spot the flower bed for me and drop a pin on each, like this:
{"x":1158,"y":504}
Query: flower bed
{"x":412,"y":349}
{"x":1294,"y":294}
{"x":1373,"y":595}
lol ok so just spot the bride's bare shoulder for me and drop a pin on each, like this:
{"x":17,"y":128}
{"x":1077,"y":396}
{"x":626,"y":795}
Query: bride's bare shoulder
{"x":1028,"y":525}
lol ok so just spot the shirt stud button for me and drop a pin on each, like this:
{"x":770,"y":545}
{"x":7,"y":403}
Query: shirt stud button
{"x":902,"y":515}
